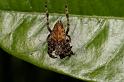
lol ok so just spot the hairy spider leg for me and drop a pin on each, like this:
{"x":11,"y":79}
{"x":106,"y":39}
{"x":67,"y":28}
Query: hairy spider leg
{"x":47,"y":17}
{"x":50,"y":50}
{"x":68,"y":27}
{"x":68,"y":39}
{"x":50,"y":47}
{"x":67,"y":16}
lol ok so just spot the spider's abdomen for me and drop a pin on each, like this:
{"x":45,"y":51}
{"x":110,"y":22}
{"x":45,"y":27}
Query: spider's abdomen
{"x":58,"y":33}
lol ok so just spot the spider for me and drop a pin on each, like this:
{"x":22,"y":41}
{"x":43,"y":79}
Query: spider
{"x":58,"y":40}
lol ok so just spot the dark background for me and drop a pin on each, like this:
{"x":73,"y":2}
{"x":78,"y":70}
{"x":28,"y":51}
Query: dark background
{"x":13,"y":69}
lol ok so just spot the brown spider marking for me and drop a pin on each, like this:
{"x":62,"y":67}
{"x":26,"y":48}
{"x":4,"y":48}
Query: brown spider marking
{"x":58,"y":40}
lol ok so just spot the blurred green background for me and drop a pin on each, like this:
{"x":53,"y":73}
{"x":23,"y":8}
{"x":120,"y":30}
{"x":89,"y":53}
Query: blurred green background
{"x":78,"y":7}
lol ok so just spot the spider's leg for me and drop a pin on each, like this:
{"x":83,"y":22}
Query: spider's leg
{"x":47,"y":17}
{"x":50,"y":50}
{"x":67,"y":16}
{"x":51,"y":47}
{"x":50,"y":53}
{"x":62,"y":56}
{"x":72,"y":53}
{"x":68,"y":38}
{"x":48,"y":38}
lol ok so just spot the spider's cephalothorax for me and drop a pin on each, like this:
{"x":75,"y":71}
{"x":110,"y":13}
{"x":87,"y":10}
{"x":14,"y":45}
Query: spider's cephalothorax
{"x":58,"y":40}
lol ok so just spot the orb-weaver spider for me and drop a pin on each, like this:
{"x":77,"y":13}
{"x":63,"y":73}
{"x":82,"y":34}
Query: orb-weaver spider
{"x":58,"y":40}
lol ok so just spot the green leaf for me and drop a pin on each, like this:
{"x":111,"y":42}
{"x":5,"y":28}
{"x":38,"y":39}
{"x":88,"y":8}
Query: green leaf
{"x":97,"y":41}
